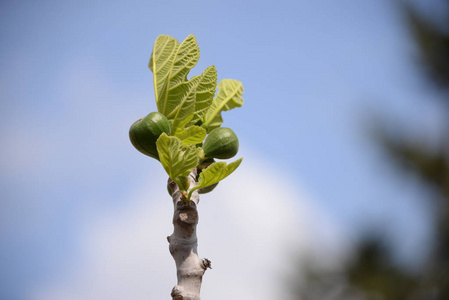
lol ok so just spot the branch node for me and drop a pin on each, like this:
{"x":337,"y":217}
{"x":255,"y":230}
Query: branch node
{"x":207,"y":264}
{"x":176,"y":293}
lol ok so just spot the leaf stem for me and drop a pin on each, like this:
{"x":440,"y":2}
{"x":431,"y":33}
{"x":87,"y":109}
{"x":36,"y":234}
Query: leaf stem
{"x":190,"y":193}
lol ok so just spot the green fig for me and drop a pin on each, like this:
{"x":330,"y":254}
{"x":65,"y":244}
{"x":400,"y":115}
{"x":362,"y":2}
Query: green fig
{"x":145,"y":132}
{"x":221,"y":143}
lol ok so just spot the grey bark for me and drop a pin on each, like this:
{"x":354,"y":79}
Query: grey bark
{"x":183,"y":245}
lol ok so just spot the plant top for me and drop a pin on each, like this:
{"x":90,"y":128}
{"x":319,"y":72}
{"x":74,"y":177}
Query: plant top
{"x":186,"y":133}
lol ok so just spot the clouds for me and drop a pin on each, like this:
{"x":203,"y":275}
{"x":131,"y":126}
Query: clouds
{"x":248,"y":226}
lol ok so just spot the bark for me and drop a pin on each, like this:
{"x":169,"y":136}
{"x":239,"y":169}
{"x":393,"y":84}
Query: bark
{"x":183,"y":245}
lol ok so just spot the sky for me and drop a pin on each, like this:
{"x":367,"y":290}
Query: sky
{"x":85,"y":216}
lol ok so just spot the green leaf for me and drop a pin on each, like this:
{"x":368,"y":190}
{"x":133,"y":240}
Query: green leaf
{"x":191,"y":135}
{"x":178,"y":161}
{"x":205,"y":93}
{"x":170,"y":63}
{"x":184,"y":96}
{"x":229,"y":96}
{"x":181,"y":125}
{"x":194,"y":98}
{"x":215,"y":173}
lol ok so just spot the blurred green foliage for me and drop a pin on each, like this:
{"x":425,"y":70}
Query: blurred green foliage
{"x":373,"y":273}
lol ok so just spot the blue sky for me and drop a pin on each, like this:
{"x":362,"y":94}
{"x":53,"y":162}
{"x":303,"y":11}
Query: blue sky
{"x":74,"y":76}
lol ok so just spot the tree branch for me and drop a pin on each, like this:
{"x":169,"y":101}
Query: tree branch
{"x":183,"y":245}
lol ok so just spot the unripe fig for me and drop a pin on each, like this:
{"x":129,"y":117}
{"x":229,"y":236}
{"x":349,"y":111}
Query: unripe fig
{"x":221,"y":143}
{"x":145,"y":132}
{"x":204,"y":164}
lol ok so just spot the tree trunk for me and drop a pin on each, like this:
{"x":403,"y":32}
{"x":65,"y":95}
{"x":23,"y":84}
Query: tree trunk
{"x":183,"y":245}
